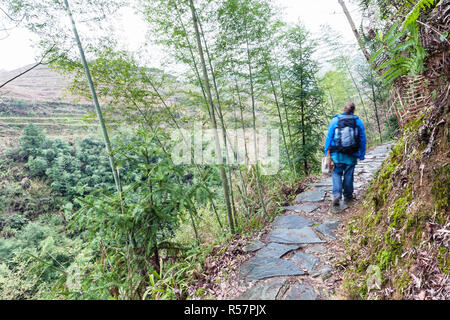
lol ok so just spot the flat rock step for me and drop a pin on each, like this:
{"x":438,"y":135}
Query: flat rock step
{"x":306,"y":208}
{"x":316,"y":249}
{"x":264,"y":290}
{"x":294,"y":236}
{"x":305,"y":261}
{"x":301,"y":292}
{"x":291,"y":221}
{"x":275,"y":250}
{"x":254,"y":246}
{"x":310,"y":196}
{"x":328,"y":227}
{"x":257,"y":268}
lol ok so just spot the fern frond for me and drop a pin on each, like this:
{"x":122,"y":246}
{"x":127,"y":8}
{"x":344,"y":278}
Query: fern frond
{"x":413,"y":15}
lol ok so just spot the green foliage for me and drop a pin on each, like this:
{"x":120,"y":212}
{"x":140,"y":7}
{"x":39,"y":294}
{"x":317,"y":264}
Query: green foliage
{"x":399,"y":211}
{"x":304,"y":99}
{"x":21,"y":196}
{"x":72,"y":170}
{"x":130,"y":227}
{"x":401,"y":45}
{"x":413,"y":15}
{"x":37,"y":166}
{"x":37,"y":258}
{"x":337,"y":89}
{"x":172,"y":281}
{"x":405,"y":54}
{"x":31,"y":142}
{"x":391,"y":128}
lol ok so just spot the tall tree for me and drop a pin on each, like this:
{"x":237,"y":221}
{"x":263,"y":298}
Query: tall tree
{"x":305,"y":98}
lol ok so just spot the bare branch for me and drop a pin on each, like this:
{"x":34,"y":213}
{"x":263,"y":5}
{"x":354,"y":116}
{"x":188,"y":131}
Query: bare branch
{"x":29,"y":69}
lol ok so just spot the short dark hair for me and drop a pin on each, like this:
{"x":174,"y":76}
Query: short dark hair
{"x":349,"y":107}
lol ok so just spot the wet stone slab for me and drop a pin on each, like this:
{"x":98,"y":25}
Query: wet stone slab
{"x":291,"y":221}
{"x":316,"y":248}
{"x":323,"y":188}
{"x":291,"y":236}
{"x":307,"y":208}
{"x":310,"y":196}
{"x":324,"y":272}
{"x":275,"y":250}
{"x":338,"y":209}
{"x":265,"y":290}
{"x":305,"y":261}
{"x":254,"y":246}
{"x":257,"y":268}
{"x":324,"y":182}
{"x":301,"y":292}
{"x":328,"y":227}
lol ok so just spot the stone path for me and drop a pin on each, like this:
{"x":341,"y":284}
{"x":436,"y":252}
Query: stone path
{"x":293,"y":260}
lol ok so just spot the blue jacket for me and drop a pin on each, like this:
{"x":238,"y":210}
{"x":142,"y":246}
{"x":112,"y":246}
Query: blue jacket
{"x":362,"y":138}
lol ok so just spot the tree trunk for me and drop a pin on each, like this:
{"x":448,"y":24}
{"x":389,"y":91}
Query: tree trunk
{"x":222,"y":122}
{"x":357,"y":89}
{"x":283,"y":96}
{"x":355,"y":31}
{"x":305,"y":161}
{"x":376,"y":107}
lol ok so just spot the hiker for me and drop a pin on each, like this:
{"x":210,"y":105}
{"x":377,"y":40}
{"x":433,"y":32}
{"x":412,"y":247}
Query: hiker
{"x":345,"y":143}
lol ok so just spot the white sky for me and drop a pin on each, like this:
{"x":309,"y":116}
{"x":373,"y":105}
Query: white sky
{"x":16,"y":46}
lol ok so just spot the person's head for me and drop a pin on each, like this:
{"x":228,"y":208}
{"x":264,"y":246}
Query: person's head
{"x":349,"y":107}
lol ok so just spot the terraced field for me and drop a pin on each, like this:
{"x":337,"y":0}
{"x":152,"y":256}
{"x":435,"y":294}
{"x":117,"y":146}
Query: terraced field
{"x":40,"y":96}
{"x":57,"y":119}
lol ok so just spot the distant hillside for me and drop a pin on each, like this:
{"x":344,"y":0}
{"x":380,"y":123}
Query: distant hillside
{"x":40,"y":97}
{"x":39,"y":84}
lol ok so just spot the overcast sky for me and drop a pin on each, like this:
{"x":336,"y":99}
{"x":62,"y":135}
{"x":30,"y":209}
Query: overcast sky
{"x":16,"y":46}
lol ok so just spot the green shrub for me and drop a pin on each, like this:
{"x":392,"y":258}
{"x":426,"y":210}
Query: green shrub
{"x":32,"y":142}
{"x":130,"y":227}
{"x":37,"y":166}
{"x":38,"y":257}
{"x":16,"y":221}
{"x":72,"y":171}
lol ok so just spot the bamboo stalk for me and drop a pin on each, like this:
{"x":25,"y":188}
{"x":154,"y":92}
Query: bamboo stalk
{"x":95,"y":99}
{"x":219,"y":158}
{"x":279,"y":117}
{"x":258,"y":182}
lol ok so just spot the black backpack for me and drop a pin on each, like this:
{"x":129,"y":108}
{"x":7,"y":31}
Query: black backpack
{"x":346,"y":135}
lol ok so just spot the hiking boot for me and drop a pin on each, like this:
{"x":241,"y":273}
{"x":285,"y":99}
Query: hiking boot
{"x":349,"y":201}
{"x":336,"y":201}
